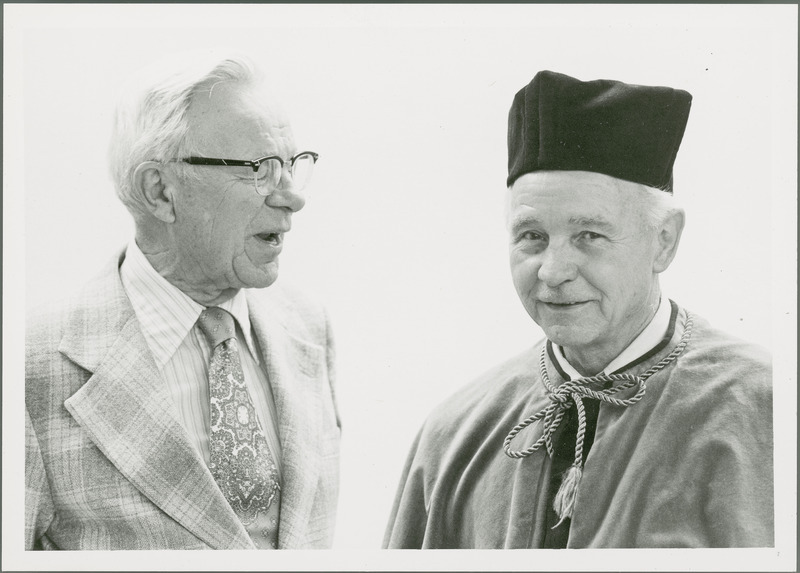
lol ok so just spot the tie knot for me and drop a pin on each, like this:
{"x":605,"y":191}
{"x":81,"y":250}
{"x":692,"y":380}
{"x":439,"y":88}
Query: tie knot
{"x":217,"y":325}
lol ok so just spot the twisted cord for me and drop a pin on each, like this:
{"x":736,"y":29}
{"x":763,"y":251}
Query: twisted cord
{"x":573,"y":391}
{"x":563,"y":398}
{"x":679,"y":348}
{"x":581,"y":429}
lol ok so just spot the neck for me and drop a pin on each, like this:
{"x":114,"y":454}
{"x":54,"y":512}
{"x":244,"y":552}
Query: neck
{"x":167,"y":264}
{"x":588,"y":363}
{"x":592,"y":360}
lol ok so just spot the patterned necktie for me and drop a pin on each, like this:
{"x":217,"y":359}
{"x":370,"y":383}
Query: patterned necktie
{"x":240,"y":458}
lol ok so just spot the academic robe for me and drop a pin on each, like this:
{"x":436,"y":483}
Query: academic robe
{"x":108,"y":463}
{"x":690,"y":465}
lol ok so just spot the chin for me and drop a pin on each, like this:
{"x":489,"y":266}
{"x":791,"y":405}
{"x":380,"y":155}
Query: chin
{"x":265,"y":281}
{"x":261,"y":277}
{"x":565,"y":336}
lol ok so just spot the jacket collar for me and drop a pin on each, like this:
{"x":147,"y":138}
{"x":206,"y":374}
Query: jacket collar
{"x":128,"y":413}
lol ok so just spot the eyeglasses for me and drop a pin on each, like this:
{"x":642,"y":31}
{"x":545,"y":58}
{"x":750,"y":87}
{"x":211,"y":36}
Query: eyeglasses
{"x":267,"y":171}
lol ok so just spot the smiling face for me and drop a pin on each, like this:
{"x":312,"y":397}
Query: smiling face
{"x":583,"y":262}
{"x":225,"y":236}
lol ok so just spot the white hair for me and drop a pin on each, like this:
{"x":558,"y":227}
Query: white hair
{"x":655,"y":206}
{"x":150,"y":120}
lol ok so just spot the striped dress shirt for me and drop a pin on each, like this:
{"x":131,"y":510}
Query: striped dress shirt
{"x":168,"y":320}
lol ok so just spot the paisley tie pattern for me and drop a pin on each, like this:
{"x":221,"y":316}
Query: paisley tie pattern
{"x":241,"y":461}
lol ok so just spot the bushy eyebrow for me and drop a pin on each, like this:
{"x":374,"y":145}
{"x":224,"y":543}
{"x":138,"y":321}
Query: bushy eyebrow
{"x":593,"y":222}
{"x":522,"y":221}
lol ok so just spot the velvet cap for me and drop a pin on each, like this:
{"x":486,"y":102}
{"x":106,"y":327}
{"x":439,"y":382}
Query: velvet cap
{"x":627,"y":131}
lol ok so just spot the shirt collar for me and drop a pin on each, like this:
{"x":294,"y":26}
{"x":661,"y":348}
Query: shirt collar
{"x":652,"y":334}
{"x":166,"y":314}
{"x":237,"y":306}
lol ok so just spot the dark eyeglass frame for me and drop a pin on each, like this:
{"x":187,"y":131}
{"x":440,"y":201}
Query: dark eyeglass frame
{"x":254,"y":163}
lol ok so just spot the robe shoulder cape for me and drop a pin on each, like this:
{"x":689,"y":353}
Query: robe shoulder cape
{"x":690,"y":465}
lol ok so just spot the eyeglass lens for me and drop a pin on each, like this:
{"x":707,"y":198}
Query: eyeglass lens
{"x":270,"y":171}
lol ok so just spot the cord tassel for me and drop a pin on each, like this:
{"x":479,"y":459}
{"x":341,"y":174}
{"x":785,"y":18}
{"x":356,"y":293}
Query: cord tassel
{"x":564,"y":502}
{"x":560,"y":396}
{"x":570,"y":392}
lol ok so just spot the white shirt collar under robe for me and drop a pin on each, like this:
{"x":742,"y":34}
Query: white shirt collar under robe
{"x":648,"y":339}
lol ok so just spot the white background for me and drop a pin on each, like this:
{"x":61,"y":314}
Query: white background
{"x":403,"y":236}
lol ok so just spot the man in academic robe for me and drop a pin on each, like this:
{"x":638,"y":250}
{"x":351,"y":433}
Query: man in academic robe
{"x":184,"y":399}
{"x":634,"y":423}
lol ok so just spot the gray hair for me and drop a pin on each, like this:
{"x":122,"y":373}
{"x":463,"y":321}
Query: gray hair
{"x":150,"y":120}
{"x":655,"y":206}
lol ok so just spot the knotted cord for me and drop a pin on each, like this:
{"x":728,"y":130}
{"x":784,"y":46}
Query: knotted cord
{"x":573,"y":392}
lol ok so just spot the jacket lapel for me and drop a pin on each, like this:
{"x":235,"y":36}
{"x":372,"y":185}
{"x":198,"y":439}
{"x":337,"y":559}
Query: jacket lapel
{"x":129,"y":414}
{"x":293,"y":368}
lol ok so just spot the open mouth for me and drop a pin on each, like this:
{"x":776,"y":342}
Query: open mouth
{"x":274,"y":239}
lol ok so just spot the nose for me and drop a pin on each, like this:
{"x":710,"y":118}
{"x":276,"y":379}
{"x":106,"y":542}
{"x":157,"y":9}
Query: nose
{"x":557,"y":266}
{"x":285,"y":195}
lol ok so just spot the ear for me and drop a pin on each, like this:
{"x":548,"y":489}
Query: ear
{"x":667,"y":240}
{"x":155,"y":190}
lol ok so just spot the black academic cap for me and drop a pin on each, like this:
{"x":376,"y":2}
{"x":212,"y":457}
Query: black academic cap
{"x":627,"y":131}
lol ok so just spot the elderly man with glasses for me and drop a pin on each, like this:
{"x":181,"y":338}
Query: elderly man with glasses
{"x":184,"y":399}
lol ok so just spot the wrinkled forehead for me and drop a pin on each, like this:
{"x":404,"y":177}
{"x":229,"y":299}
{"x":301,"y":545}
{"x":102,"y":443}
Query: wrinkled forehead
{"x":573,"y":194}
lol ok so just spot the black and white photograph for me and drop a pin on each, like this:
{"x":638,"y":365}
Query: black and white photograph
{"x":359,"y":282}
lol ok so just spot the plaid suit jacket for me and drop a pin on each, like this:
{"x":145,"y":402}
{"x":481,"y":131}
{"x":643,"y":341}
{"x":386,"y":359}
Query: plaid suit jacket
{"x":109,"y":466}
